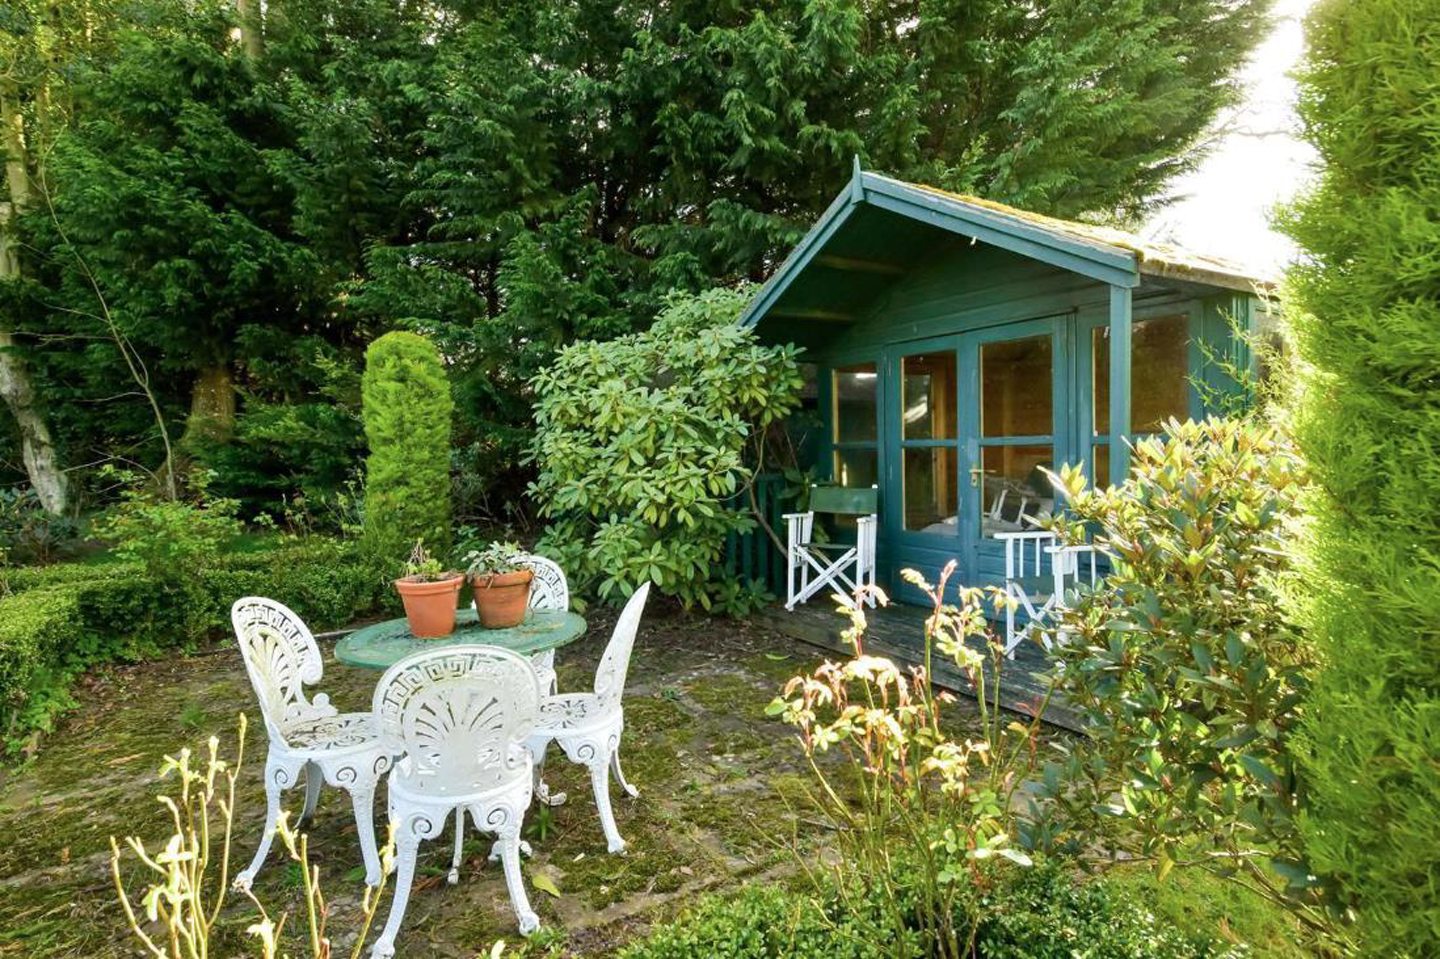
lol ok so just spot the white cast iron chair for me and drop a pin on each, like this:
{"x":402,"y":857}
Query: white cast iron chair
{"x":1038,"y":574}
{"x":342,"y":749}
{"x":588,"y":725}
{"x":549,"y":591}
{"x":461,"y":715}
{"x":843,"y":567}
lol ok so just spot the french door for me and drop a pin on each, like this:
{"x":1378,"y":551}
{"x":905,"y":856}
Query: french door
{"x":975,"y":418}
{"x":1017,"y":424}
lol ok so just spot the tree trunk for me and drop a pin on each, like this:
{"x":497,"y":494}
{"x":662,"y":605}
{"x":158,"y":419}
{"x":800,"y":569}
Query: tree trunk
{"x":212,"y":408}
{"x":37,"y":448}
{"x":251,"y":32}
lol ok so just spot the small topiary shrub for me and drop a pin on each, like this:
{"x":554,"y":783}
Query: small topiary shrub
{"x":1185,"y":665}
{"x":407,"y":409}
{"x":640,"y":442}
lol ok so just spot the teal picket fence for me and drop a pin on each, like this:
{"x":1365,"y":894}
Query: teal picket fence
{"x":753,"y":555}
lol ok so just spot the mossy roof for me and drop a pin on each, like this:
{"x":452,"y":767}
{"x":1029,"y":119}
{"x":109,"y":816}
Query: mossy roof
{"x":879,"y":226}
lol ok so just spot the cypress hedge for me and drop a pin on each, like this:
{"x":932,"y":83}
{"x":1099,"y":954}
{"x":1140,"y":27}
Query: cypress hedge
{"x":407,"y":408}
{"x":1364,"y":320}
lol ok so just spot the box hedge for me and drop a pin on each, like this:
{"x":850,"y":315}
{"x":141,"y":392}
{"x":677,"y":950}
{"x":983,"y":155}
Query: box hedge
{"x":60,"y":620}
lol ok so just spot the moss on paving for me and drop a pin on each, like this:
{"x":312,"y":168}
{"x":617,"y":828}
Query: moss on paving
{"x":719,"y":783}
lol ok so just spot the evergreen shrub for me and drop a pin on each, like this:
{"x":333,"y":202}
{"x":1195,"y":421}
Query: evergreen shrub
{"x":1363,"y":317}
{"x":59,"y":621}
{"x":407,"y":409}
{"x":1040,"y":913}
{"x":641,"y":443}
{"x":1184,"y":664}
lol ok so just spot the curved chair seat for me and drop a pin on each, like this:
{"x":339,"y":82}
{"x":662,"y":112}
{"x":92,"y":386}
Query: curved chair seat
{"x":331,"y":735}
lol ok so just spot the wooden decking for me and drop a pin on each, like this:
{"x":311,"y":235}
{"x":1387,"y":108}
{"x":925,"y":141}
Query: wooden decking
{"x":897,"y":632}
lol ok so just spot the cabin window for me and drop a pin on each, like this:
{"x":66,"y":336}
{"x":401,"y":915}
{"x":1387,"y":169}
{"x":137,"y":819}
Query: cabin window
{"x":854,"y":408}
{"x":1159,"y":381}
{"x":1017,"y":443}
{"x":929,"y":441}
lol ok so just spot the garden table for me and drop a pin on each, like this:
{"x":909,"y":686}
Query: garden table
{"x":382,"y":645}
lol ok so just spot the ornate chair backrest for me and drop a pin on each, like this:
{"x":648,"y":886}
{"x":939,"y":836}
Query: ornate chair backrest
{"x":610,"y":676}
{"x":460,"y":714}
{"x":549,"y":589}
{"x":281,"y":659}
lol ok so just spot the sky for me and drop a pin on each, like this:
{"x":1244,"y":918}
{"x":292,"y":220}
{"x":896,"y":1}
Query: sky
{"x":1223,"y":207}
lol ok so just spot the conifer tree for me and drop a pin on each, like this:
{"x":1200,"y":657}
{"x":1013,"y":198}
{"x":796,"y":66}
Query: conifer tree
{"x":1364,"y":316}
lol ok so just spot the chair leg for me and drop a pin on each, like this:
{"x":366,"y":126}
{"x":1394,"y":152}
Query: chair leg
{"x":314,"y":779}
{"x":620,"y":774}
{"x":509,"y":849}
{"x":407,"y":849}
{"x":600,"y":784}
{"x":277,"y":778}
{"x":454,"y":877}
{"x":362,"y":797}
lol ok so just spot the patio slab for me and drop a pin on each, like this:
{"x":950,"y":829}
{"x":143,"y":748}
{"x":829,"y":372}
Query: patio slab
{"x":722,"y":800}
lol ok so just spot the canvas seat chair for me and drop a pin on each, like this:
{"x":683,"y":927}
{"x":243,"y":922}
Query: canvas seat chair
{"x":1039,"y":574}
{"x":810,"y":566}
{"x":588,"y":726}
{"x":306,"y":735}
{"x":460,"y":715}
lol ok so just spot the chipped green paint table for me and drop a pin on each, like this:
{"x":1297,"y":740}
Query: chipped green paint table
{"x":382,"y":645}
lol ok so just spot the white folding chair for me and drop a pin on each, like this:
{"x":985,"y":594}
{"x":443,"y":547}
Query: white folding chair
{"x":461,"y":715}
{"x":811,"y":566}
{"x":588,"y":726}
{"x":549,"y":591}
{"x":342,"y":749}
{"x":1033,"y":589}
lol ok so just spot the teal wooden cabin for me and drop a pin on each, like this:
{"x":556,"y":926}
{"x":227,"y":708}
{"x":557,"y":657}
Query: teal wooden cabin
{"x":961,"y":344}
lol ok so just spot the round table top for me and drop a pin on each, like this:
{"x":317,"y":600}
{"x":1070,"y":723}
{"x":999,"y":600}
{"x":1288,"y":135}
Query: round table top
{"x":382,"y":645}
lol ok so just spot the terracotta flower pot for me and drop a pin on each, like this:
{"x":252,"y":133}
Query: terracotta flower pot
{"x":430,"y":606}
{"x":501,"y":598}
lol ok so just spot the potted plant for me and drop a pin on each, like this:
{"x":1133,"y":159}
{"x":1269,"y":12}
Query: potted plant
{"x":501,"y":583}
{"x":430,"y":593}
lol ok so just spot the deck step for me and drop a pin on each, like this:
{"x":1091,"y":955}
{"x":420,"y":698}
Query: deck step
{"x":896,"y":631}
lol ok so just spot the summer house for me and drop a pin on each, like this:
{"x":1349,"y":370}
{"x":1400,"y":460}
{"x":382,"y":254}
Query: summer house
{"x":961,"y":344}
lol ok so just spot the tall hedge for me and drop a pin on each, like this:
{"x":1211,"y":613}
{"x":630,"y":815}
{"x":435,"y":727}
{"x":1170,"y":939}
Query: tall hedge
{"x":1364,"y":314}
{"x":407,"y":409}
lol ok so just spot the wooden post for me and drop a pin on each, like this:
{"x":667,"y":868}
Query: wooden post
{"x":1120,"y":317}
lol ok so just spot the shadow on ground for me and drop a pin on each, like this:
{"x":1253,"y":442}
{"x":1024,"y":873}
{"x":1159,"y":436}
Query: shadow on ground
{"x":722,"y":799}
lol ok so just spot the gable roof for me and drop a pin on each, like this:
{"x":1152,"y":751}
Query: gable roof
{"x":1104,"y":254}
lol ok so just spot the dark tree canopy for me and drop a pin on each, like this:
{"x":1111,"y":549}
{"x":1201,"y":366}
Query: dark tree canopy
{"x":508,"y":177}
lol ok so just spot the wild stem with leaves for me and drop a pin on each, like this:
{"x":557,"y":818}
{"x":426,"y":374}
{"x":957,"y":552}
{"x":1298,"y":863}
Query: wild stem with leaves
{"x":926,"y":817}
{"x":188,"y":880}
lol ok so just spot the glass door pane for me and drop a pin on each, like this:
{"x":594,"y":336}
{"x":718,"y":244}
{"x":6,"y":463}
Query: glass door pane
{"x":1015,"y":491}
{"x":929,"y":444}
{"x":930,"y":402}
{"x":1016,"y":442}
{"x":930,"y":474}
{"x":1017,"y":387}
